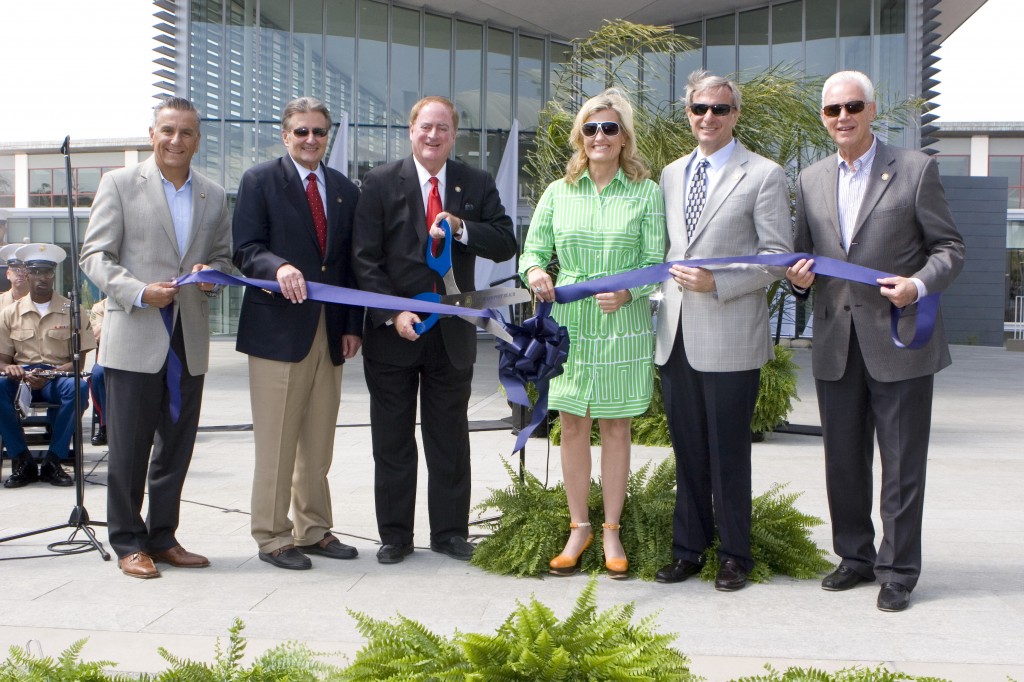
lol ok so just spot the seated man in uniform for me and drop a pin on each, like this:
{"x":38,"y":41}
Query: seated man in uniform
{"x":15,"y":275}
{"x":35,"y":335}
{"x":98,"y":376}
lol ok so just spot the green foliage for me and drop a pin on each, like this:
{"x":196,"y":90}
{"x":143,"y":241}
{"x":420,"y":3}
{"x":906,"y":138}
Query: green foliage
{"x":534,"y":523}
{"x":855,"y":674}
{"x":21,"y":665}
{"x":532,"y":528}
{"x":291,"y":661}
{"x":532,"y":644}
{"x":776,"y":391}
{"x":779,"y":540}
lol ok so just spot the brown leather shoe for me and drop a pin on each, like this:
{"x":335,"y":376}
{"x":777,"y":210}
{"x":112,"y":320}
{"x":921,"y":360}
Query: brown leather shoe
{"x":179,"y":557}
{"x":138,"y":565}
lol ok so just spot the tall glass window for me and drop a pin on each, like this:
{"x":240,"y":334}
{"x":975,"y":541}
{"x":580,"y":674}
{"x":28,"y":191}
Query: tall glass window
{"x":821,"y":38}
{"x":371,"y":132}
{"x":754,"y":40}
{"x":855,"y":35}
{"x":308,"y":48}
{"x":405,"y":63}
{"x":891,"y":26}
{"x":437,"y":56}
{"x":339,"y":64}
{"x":468,"y":81}
{"x":1009,"y":167}
{"x":274,"y":72}
{"x":720,"y":52}
{"x":531,"y":77}
{"x":787,"y":34}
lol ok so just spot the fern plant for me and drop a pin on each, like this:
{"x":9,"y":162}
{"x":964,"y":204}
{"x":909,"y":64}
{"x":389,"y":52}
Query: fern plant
{"x":291,"y":661}
{"x":855,"y":674}
{"x":534,"y":524}
{"x":21,"y":666}
{"x":776,"y":391}
{"x":532,"y":644}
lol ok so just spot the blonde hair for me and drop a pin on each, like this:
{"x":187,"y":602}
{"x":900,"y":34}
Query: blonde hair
{"x":629,"y":159}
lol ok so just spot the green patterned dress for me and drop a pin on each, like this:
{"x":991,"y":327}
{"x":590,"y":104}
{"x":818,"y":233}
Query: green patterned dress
{"x":623,"y":228}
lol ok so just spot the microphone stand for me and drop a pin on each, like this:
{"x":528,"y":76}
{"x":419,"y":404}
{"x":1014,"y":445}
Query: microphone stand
{"x":79,"y":519}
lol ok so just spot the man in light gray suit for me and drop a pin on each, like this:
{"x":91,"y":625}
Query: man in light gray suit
{"x":150,"y":224}
{"x":713,"y":336}
{"x":883,"y":208}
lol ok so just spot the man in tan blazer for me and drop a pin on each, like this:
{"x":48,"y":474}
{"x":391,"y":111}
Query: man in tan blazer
{"x":150,"y":224}
{"x":881,"y":207}
{"x":713,"y":336}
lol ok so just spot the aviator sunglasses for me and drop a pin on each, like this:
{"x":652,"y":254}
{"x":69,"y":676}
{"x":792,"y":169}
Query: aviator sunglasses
{"x":609,"y":128}
{"x":833,"y":110}
{"x":716,"y":109}
{"x":304,"y":132}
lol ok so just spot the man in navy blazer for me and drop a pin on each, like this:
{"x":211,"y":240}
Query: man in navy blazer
{"x":293,"y":224}
{"x":389,"y":257}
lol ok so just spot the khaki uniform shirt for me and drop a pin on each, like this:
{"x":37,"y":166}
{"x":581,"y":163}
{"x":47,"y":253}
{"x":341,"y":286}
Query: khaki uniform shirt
{"x":7,"y":298}
{"x":32,"y":339}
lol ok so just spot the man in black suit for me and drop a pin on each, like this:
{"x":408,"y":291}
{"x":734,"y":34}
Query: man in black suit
{"x":293,"y":224}
{"x":396,"y":215}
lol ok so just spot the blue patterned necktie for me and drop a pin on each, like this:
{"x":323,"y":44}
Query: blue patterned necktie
{"x":696,"y":197}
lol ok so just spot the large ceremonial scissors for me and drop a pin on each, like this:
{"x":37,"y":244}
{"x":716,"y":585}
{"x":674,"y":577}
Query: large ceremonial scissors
{"x":494,"y":297}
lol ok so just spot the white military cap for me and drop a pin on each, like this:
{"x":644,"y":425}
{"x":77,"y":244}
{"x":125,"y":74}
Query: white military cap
{"x":41,"y":254}
{"x":7,"y":254}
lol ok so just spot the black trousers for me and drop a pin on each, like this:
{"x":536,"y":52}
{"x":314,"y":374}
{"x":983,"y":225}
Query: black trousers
{"x":146,"y":446}
{"x":709,"y":417}
{"x":853,"y":410}
{"x":444,"y":394}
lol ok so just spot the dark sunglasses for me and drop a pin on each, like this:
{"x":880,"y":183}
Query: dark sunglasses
{"x":304,"y":132}
{"x":609,"y":128}
{"x":45,"y":273}
{"x":716,"y":109}
{"x":833,"y":110}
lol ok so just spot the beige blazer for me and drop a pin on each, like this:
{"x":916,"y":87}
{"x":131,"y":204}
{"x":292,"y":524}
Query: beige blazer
{"x":130,"y":242}
{"x":746,"y":213}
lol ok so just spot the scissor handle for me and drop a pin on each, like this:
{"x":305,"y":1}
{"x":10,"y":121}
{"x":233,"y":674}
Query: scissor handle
{"x":442,"y":262}
{"x":430,"y":320}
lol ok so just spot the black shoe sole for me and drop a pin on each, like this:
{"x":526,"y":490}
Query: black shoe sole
{"x":394,"y":558}
{"x":314,"y":549}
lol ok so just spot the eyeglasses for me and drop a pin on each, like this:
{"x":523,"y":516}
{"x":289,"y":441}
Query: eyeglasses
{"x":304,"y":132}
{"x":609,"y":128}
{"x":716,"y":109}
{"x":833,"y":110}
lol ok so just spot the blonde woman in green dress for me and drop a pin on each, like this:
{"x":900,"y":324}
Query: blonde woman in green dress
{"x":604,"y":217}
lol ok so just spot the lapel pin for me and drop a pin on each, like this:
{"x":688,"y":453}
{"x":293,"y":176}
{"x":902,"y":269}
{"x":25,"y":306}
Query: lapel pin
{"x":885,"y":176}
{"x":202,"y":195}
{"x":457,"y":188}
{"x":339,"y":200}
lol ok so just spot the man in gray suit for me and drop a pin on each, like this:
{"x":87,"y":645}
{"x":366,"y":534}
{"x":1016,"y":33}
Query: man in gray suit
{"x":883,"y":208}
{"x":713,"y":336}
{"x":150,"y":224}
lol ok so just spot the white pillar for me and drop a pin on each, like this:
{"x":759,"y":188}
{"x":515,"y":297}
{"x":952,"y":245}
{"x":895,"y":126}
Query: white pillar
{"x":979,"y":155}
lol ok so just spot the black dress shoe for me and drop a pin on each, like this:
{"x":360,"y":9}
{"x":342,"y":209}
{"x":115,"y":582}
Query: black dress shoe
{"x":843,"y":578}
{"x":100,"y":438}
{"x":331,"y":547}
{"x":731,"y":576}
{"x":893,"y":597}
{"x":23,"y":472}
{"x":53,"y":473}
{"x":393,"y":554}
{"x":456,"y":547}
{"x":287,"y":557}
{"x":678,"y":571}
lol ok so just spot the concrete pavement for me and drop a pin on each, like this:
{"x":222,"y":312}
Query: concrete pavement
{"x":965,"y":621}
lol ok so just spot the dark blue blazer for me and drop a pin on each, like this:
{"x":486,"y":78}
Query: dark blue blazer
{"x":273,"y":225}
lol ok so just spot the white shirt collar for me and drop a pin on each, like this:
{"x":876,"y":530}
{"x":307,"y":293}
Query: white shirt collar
{"x":424,"y":175}
{"x":717,"y":159}
{"x":304,"y":172}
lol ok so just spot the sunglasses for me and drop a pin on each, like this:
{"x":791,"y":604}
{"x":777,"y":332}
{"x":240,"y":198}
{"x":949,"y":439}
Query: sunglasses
{"x":609,"y":128}
{"x":45,"y":273}
{"x":716,"y":109}
{"x":833,"y":110}
{"x":304,"y":132}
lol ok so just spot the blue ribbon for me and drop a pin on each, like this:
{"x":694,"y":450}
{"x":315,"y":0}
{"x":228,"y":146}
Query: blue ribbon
{"x":174,"y":367}
{"x":540,"y":346}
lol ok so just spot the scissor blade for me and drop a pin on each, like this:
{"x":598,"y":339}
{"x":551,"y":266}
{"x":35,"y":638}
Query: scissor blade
{"x":495,"y":297}
{"x":489,"y":325}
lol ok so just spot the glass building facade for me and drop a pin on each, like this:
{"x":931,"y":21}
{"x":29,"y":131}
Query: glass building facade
{"x":374,"y":59}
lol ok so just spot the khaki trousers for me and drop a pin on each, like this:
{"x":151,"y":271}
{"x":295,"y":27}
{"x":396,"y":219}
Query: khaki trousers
{"x":294,"y":415}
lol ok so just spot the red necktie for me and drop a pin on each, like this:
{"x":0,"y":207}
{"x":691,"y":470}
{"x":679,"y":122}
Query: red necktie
{"x":433,"y":208}
{"x":316,"y":205}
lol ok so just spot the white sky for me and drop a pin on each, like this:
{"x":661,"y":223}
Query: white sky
{"x":84,"y":68}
